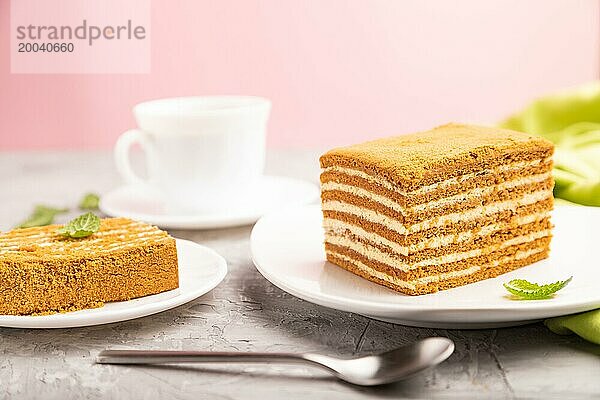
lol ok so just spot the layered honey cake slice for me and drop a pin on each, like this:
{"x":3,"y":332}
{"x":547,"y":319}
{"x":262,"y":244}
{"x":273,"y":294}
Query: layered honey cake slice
{"x":438,"y":209}
{"x":42,"y":272}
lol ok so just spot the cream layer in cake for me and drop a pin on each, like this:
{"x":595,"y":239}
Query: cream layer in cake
{"x":416,"y":283}
{"x":445,"y":201}
{"x":439,"y":185}
{"x":467,"y":215}
{"x":394,"y":260}
{"x":338,"y":227}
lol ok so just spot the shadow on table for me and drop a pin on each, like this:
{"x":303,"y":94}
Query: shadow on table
{"x":203,"y":237}
{"x":383,"y":391}
{"x":262,"y":373}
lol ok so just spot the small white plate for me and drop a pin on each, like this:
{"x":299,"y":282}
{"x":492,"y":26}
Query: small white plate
{"x":271,"y":193}
{"x":287,"y":248}
{"x":200,"y":270}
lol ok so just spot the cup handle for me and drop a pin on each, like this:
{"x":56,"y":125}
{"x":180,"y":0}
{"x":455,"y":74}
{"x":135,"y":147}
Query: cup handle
{"x":122,"y":150}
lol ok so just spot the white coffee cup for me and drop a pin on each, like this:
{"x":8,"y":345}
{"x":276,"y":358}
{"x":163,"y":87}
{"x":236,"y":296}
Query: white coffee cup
{"x":202,"y":153}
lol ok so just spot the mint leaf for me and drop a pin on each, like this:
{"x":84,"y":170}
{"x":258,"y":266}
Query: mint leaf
{"x":41,"y":216}
{"x":81,"y":227}
{"x":532,"y":291}
{"x":89,"y":201}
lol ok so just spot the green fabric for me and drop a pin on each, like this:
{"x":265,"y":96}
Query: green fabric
{"x":586,"y":325}
{"x":571,"y":120}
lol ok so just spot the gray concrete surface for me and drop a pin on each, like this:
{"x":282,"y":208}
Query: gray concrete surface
{"x":247,"y":313}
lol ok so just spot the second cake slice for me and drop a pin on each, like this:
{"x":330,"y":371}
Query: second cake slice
{"x":42,"y":272}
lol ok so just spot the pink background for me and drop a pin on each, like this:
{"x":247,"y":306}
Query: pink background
{"x":338,"y":71}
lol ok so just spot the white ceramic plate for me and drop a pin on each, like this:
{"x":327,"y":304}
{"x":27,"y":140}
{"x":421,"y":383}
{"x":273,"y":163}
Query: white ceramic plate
{"x":200,"y":270}
{"x":271,"y":193}
{"x":287,"y":248}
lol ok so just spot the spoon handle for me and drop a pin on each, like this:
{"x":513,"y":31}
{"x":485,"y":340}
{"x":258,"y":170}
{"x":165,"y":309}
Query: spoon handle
{"x":164,"y":357}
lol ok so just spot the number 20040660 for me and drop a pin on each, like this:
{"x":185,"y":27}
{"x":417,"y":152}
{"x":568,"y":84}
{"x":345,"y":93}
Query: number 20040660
{"x":46,"y":47}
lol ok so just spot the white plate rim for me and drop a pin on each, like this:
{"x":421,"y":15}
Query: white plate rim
{"x":72,"y":320}
{"x":209,"y":220}
{"x":539,"y":309}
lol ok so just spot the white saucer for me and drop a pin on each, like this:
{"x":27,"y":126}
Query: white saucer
{"x":287,"y":248}
{"x":272,"y":192}
{"x":200,"y":270}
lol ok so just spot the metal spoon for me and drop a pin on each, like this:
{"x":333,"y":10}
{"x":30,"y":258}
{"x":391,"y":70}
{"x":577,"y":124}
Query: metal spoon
{"x":377,"y":369}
